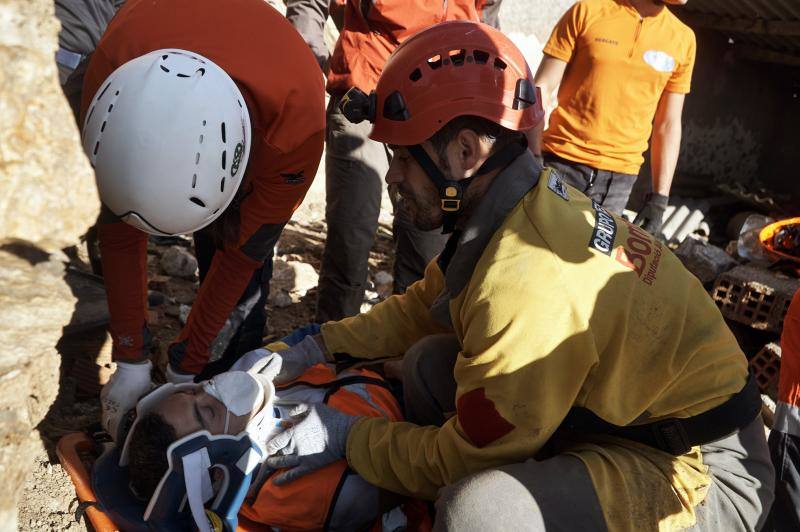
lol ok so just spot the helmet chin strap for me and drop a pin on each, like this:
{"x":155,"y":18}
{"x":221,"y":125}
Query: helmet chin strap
{"x":451,"y":193}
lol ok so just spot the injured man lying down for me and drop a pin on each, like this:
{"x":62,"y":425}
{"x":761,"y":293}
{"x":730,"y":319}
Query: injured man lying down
{"x":195,"y":454}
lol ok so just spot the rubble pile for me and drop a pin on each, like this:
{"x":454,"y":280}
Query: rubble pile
{"x":751,"y":286}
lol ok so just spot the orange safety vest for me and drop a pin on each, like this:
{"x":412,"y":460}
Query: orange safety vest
{"x":308,"y":502}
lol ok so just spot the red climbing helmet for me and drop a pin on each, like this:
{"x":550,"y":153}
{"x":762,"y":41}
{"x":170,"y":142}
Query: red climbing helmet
{"x":448,"y":70}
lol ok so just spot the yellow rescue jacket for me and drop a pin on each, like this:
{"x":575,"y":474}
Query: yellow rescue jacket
{"x":556,"y":303}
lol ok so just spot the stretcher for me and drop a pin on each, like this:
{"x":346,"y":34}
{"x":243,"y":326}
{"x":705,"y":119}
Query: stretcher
{"x":77,"y":453}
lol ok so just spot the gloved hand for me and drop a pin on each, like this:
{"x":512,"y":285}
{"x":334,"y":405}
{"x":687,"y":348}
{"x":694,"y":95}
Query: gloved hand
{"x":291,"y":363}
{"x":128,"y":383}
{"x":318,"y":438}
{"x":651,"y":216}
{"x":176,"y":377}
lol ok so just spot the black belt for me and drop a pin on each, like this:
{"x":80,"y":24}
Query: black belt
{"x":673,"y":435}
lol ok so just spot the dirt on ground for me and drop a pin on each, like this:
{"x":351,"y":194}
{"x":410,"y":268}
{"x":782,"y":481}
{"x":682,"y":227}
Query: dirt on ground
{"x":49,"y":501}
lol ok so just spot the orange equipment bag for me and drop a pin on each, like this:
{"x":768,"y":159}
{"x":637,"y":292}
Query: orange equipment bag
{"x":782,"y":239}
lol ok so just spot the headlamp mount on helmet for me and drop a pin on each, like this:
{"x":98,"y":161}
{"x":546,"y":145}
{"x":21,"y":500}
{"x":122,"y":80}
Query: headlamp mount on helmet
{"x":357,"y":106}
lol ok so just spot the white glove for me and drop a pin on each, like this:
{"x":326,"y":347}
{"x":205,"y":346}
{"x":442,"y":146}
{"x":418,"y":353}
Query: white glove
{"x":178,"y":378}
{"x":293,"y":362}
{"x":128,"y":383}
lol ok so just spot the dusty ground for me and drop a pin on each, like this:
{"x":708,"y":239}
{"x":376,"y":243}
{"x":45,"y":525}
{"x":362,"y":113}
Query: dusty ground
{"x":49,"y":501}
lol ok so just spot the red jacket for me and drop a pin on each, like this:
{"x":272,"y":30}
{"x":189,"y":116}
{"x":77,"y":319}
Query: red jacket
{"x":280,"y":81}
{"x":372,"y":30}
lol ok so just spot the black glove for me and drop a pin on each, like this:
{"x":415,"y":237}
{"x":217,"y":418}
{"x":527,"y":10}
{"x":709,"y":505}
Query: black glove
{"x":651,"y":216}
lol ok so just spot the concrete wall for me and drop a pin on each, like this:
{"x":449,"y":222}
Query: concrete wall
{"x":740,"y":120}
{"x":535,"y":17}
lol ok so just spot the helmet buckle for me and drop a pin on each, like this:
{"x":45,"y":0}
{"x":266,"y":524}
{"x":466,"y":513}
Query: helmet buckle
{"x":451,"y":198}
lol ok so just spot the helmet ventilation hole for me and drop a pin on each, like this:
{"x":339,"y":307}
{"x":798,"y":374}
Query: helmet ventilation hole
{"x":222,"y":185}
{"x":96,"y":145}
{"x":183,"y":75}
{"x":416,"y":75}
{"x":201,"y":139}
{"x":223,"y":131}
{"x":110,"y":107}
{"x":435,"y":62}
{"x":197,"y":158}
{"x":224,"y":154}
{"x":481,"y":57}
{"x":197,"y":201}
{"x":104,"y":91}
{"x":499,"y":64}
{"x":458,"y":57}
{"x":103,"y":127}
{"x":204,"y":122}
{"x":165,"y":69}
{"x":194,"y":180}
{"x":201,"y":70}
{"x":239,"y":102}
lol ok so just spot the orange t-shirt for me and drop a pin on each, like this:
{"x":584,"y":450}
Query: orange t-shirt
{"x":279,"y":79}
{"x":619,"y":65}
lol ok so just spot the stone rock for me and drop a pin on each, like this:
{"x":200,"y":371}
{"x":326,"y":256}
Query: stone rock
{"x":178,"y":262}
{"x":155,"y":298}
{"x":291,"y":281}
{"x":183,"y":313}
{"x":280,"y":299}
{"x":705,"y":261}
{"x":384,"y":282}
{"x":48,"y":189}
{"x":36,"y":304}
{"x":48,"y":199}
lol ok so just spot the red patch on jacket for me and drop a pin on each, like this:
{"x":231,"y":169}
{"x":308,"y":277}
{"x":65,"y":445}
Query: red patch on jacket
{"x":480,"y":419}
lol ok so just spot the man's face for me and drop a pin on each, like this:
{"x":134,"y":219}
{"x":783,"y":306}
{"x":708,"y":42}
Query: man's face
{"x":194,"y":410}
{"x":420,"y":196}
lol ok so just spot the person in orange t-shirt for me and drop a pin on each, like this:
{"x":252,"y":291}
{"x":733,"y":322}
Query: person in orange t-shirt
{"x":622,"y":68}
{"x":218,"y":133}
{"x":354,"y":164}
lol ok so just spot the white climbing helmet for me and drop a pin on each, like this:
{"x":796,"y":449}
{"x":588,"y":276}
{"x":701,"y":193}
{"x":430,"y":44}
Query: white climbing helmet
{"x":168,"y":134}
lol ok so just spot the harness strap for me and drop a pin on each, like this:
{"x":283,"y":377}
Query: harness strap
{"x":80,"y":511}
{"x":451,"y":193}
{"x":676,"y":436}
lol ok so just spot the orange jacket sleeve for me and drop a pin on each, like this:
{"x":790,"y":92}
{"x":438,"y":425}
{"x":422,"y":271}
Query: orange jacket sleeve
{"x":275,"y":193}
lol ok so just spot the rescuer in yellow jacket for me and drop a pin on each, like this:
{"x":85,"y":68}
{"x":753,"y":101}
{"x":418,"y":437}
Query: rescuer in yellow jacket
{"x":564,"y":371}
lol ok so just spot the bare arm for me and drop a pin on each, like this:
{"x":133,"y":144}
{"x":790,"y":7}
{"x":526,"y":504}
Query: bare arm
{"x":666,"y":141}
{"x":548,"y":78}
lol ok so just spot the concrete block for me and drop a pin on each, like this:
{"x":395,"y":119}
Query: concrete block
{"x":766,"y":367}
{"x":754,"y":296}
{"x":705,"y":261}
